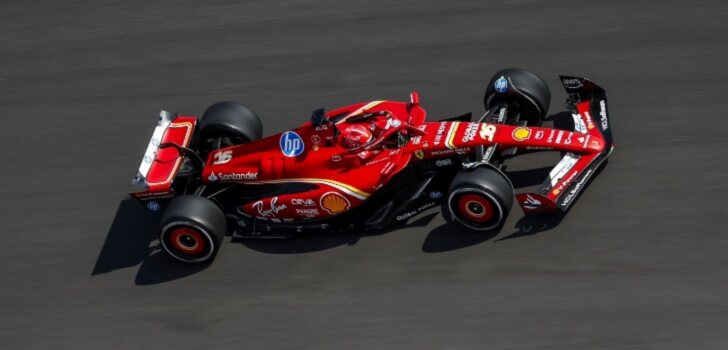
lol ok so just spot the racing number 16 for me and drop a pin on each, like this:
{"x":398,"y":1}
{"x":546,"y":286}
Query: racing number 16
{"x":223,"y":157}
{"x":487,"y":131}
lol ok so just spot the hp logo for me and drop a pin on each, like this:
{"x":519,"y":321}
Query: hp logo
{"x":501,"y":85}
{"x":153,"y":206}
{"x":291,"y":144}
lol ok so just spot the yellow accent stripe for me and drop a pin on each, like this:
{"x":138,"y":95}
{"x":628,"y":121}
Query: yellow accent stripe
{"x":360,"y":110}
{"x":172,"y":173}
{"x":350,"y":190}
{"x":451,"y":136}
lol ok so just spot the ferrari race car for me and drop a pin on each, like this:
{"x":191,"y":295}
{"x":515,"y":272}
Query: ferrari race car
{"x":365,"y":166}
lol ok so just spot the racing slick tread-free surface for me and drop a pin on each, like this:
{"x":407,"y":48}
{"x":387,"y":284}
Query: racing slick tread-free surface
{"x":528,"y":83}
{"x":639,"y":262}
{"x":486,"y":180}
{"x":231,"y":117}
{"x":199,"y":211}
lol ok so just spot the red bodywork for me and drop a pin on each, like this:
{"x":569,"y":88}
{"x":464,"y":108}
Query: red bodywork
{"x":344,"y":178}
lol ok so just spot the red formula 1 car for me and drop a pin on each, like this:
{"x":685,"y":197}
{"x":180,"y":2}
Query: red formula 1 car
{"x":365,"y":166}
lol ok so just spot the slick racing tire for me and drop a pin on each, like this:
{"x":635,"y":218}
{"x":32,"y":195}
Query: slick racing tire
{"x":479,"y":199}
{"x":526,"y":94}
{"x":227,"y":124}
{"x":192,"y":229}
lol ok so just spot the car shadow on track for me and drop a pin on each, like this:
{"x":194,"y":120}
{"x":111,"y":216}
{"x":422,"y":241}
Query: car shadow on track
{"x":315,"y":242}
{"x":449,"y":237}
{"x":160,"y":267}
{"x":532,"y":224}
{"x":128,"y":241}
{"x":443,"y":238}
{"x":132,"y":240}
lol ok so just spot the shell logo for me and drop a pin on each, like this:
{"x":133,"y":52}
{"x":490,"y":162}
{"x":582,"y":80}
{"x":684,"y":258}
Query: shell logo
{"x":521,"y":134}
{"x":334,"y":203}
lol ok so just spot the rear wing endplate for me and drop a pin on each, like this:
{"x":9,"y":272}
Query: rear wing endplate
{"x":159,"y":164}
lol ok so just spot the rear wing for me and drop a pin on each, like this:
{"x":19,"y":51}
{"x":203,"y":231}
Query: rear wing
{"x":160,"y":164}
{"x":588,"y":104}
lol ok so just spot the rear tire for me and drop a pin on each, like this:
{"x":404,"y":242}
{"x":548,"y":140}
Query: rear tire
{"x":192,"y":229}
{"x":527,"y":94}
{"x":479,"y":199}
{"x":227,"y":124}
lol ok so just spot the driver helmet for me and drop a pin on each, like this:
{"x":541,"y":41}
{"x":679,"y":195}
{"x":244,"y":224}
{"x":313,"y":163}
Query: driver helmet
{"x":355,"y":135}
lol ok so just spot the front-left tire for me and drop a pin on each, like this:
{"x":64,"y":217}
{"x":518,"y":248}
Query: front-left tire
{"x":479,"y":199}
{"x":192,"y":229}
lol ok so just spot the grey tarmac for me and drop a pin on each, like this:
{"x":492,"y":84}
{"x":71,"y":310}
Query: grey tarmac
{"x":638,"y":263}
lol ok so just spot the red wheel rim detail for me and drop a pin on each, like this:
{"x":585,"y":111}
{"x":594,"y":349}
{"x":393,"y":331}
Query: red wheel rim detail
{"x":475,"y":208}
{"x":187,"y":240}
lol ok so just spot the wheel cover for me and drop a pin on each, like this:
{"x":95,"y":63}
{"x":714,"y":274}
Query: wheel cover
{"x":475,"y":209}
{"x":187,"y":240}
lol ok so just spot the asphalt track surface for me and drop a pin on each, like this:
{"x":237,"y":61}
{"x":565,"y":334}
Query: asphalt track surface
{"x":639,"y":262}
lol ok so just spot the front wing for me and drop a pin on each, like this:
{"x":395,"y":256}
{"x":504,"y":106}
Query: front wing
{"x":570,"y":176}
